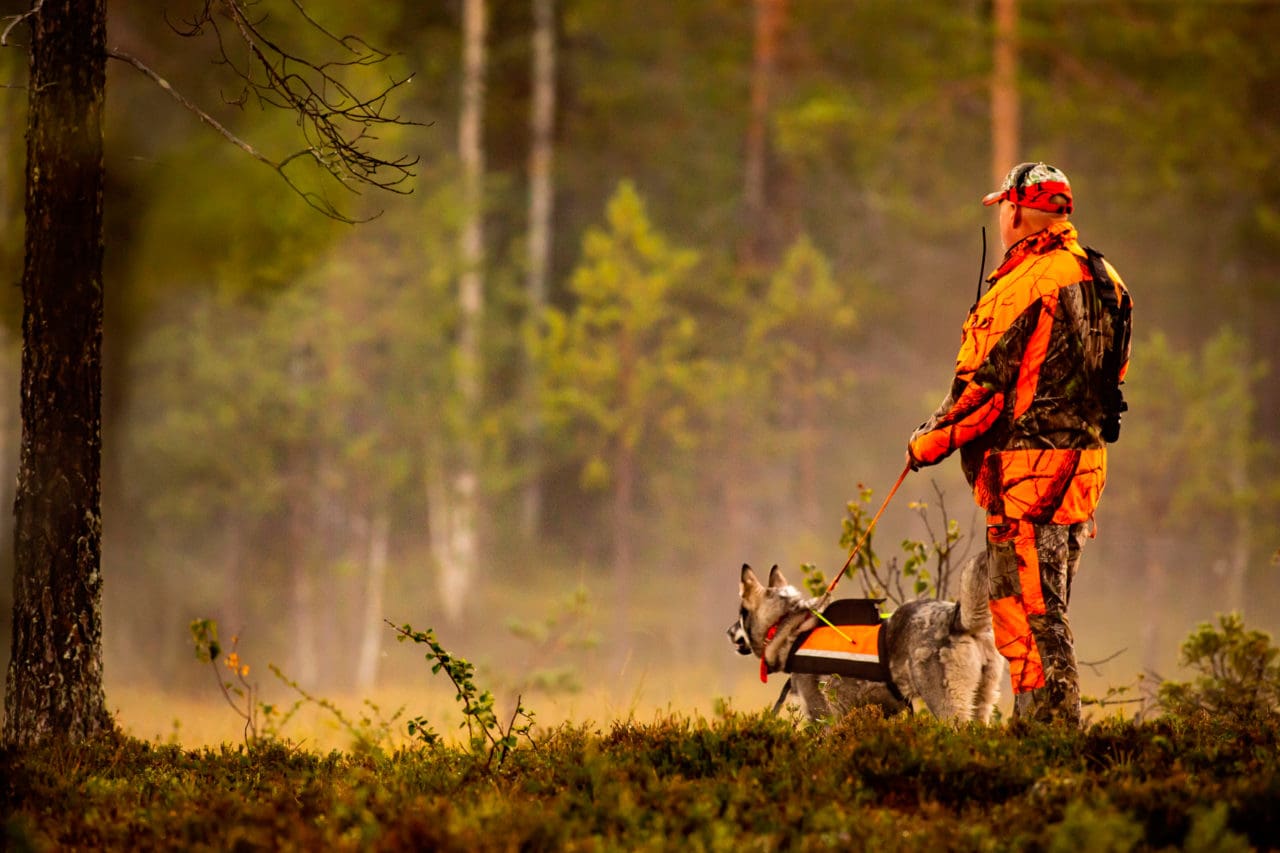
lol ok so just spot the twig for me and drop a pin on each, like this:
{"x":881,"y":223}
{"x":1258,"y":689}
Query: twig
{"x":17,"y":19}
{"x":314,"y":201}
{"x":116,"y":53}
{"x":336,"y":123}
{"x":1094,"y":664}
{"x":1106,"y":702}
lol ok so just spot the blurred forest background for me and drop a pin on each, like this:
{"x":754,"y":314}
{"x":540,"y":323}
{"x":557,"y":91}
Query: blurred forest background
{"x":679,"y":282}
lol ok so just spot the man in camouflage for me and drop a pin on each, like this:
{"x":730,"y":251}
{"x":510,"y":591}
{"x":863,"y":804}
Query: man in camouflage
{"x":1025,"y":413}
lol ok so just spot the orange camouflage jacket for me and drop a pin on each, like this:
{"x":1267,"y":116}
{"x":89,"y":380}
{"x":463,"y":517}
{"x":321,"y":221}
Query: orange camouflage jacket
{"x":1021,"y":410}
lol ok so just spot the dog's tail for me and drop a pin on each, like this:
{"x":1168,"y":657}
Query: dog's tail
{"x":974,"y":611}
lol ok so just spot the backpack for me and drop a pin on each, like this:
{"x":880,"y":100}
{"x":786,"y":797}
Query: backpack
{"x":1108,"y":324}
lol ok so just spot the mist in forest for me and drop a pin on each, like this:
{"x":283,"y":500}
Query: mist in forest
{"x":551,"y":417}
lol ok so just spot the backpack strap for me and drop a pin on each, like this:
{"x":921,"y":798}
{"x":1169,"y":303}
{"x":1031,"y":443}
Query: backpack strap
{"x":1119,"y":307}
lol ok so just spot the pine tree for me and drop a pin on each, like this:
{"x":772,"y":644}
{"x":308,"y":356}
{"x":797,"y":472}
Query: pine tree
{"x":622,"y":369}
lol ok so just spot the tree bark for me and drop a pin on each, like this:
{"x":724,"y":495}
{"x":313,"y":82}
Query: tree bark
{"x":541,"y":200}
{"x":1005,"y":113}
{"x":55,"y":670}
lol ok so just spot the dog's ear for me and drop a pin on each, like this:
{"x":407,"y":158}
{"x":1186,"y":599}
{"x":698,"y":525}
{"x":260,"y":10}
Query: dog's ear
{"x":776,"y":579}
{"x":750,"y":588}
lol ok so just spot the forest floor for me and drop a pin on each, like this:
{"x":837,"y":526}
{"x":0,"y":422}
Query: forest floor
{"x":731,"y":782}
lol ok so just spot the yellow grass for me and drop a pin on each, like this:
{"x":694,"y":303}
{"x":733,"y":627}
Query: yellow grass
{"x":204,"y":719}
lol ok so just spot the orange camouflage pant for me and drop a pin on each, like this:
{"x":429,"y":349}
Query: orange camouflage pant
{"x":1031,"y":569}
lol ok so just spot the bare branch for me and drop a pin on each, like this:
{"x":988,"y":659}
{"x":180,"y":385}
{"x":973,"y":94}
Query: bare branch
{"x":17,"y":19}
{"x":334,"y":119}
{"x":1095,"y":664}
{"x":361,"y":46}
{"x":116,"y":53}
{"x":336,"y":123}
{"x":313,"y":200}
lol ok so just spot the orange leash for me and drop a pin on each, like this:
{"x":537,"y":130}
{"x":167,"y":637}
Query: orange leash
{"x":866,"y":534}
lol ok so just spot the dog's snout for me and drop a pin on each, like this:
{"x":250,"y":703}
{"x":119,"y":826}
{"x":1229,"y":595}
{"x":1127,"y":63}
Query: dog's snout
{"x":738,"y":637}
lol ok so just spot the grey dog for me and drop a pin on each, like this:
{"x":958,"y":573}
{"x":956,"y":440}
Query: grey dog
{"x":940,"y":652}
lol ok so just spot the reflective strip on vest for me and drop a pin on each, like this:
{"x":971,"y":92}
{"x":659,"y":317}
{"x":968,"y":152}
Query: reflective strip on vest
{"x":853,"y":651}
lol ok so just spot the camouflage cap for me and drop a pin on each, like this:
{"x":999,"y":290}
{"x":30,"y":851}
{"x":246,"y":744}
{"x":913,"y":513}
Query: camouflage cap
{"x":1037,"y":185}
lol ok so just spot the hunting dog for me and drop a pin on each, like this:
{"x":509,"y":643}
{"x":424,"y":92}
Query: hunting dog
{"x":940,"y":652}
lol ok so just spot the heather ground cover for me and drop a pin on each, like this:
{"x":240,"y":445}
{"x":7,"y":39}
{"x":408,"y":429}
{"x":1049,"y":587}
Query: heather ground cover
{"x":739,"y":781}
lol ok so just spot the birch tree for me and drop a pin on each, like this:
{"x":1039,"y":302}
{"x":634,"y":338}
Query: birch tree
{"x":454,"y":481}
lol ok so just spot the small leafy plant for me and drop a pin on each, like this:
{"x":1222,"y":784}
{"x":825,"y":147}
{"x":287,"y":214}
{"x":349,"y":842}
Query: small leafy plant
{"x":927,"y":569}
{"x":264,"y":722}
{"x":564,"y":633}
{"x":240,"y":694}
{"x":371,"y":733}
{"x":488,"y":736}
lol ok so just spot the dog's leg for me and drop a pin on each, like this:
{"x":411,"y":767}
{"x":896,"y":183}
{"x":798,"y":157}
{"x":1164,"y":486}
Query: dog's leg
{"x":989,"y":685}
{"x":782,"y":697}
{"x":810,"y":691}
{"x":966,"y":676}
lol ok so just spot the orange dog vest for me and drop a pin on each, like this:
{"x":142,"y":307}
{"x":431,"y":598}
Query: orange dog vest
{"x":852,"y":648}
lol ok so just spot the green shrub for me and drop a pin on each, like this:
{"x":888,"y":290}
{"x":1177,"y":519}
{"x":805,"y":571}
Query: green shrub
{"x":1098,"y":829}
{"x":1239,"y":674}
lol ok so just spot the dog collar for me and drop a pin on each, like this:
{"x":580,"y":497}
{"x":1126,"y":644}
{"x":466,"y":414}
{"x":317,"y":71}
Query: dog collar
{"x":764,"y":665}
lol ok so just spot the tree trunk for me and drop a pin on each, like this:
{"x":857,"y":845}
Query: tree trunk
{"x":306,"y":634}
{"x":302,"y":526}
{"x":462,"y":494}
{"x":1237,"y":441}
{"x":1238,"y":567}
{"x":374,"y":597}
{"x":1155,"y":577}
{"x":541,"y":199}
{"x":1005,"y":118}
{"x":770,"y":16}
{"x":233,"y":574}
{"x":55,"y":670}
{"x":471,"y":153}
{"x":810,"y":430}
{"x":452,"y":531}
{"x":624,"y":489}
